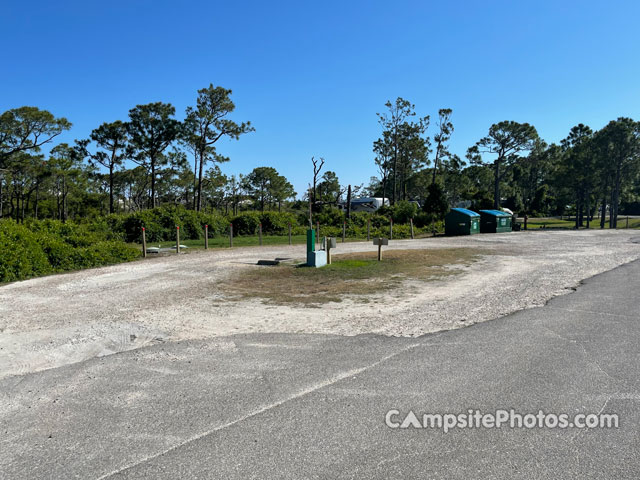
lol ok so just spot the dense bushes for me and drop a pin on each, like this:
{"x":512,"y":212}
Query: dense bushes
{"x":42,"y":247}
{"x":49,"y":246}
{"x":161,"y":223}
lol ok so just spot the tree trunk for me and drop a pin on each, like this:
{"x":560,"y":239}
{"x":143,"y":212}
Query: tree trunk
{"x":37,"y":200}
{"x":64,"y":199}
{"x":195,"y":180}
{"x":611,"y":207}
{"x":110,"y":187}
{"x":384,"y":189}
{"x":153,"y":183}
{"x":200,"y":172}
{"x":496,"y":185}
{"x":604,"y":204}
{"x":435,"y":165}
{"x":58,"y":195}
{"x":588,"y":198}
{"x":614,"y":218}
{"x":395,"y":167}
{"x":349,"y":203}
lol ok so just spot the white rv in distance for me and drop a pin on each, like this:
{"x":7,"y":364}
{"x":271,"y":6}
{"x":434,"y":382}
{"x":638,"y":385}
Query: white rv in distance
{"x":367,"y":204}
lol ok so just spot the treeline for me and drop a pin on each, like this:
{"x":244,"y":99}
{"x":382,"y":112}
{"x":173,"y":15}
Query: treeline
{"x":586,"y":174}
{"x":154,"y":159}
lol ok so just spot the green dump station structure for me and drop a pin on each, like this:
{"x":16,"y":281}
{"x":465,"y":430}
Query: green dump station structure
{"x":460,"y":221}
{"x":494,"y":221}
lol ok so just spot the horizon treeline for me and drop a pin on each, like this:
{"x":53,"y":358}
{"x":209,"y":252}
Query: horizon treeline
{"x":152,"y":159}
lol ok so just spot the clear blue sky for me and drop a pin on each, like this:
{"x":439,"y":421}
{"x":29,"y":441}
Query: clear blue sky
{"x":311,"y":76}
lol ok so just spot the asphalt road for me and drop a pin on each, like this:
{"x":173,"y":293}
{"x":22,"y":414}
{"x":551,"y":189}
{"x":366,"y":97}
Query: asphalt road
{"x":294,"y":406}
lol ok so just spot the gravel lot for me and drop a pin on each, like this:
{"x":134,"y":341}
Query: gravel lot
{"x":57,"y":320}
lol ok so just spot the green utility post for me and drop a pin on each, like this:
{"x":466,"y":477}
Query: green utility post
{"x":311,"y":240}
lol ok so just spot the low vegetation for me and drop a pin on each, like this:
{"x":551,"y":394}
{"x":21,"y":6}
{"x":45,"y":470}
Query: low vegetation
{"x":356,"y":276}
{"x":44,"y":247}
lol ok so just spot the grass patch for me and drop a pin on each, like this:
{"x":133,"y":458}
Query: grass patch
{"x":246,"y":241}
{"x":534,"y":223}
{"x":354,"y":275}
{"x":240,"y":241}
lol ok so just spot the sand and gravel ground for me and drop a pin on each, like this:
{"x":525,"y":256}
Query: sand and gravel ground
{"x":57,"y":320}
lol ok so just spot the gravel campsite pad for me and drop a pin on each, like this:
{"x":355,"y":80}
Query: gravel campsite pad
{"x":61,"y":319}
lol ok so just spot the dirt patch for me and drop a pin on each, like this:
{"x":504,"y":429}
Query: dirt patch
{"x":352,"y":275}
{"x":60,"y":319}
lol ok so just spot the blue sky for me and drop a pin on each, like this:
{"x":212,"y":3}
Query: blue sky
{"x":311,"y":76}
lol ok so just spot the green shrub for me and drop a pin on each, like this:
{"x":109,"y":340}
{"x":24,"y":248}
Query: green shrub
{"x":277,"y":223}
{"x":403,"y":211}
{"x":20,"y":254}
{"x":160,"y":224}
{"x":42,"y":247}
{"x":246,"y":223}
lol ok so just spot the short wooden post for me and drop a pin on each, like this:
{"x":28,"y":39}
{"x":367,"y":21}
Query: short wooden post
{"x":344,"y":230}
{"x":391,"y":229}
{"x":627,"y":221}
{"x":368,"y":229}
{"x":327,"y":247}
{"x":231,"y":235}
{"x":177,"y":239}
{"x":260,"y":233}
{"x":144,"y":244}
{"x":317,"y":232}
{"x":206,"y":237}
{"x":411,"y":220}
{"x":379,"y":249}
{"x":289,"y":234}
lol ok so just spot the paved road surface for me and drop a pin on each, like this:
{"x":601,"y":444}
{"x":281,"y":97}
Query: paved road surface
{"x":287,"y":406}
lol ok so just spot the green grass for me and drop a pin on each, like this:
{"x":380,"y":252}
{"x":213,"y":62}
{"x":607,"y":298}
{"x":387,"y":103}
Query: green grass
{"x":355,"y":275}
{"x":534,"y":223}
{"x":244,"y":241}
{"x":223,"y":241}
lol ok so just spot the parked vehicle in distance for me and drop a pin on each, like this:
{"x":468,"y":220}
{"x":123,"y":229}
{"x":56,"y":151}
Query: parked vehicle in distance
{"x":367,"y":204}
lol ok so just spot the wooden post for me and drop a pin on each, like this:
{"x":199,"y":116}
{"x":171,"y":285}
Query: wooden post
{"x":177,"y":239}
{"x":627,"y":221}
{"x":327,"y":247}
{"x":260,"y":233}
{"x":344,"y":230}
{"x":391,"y":229}
{"x":411,"y":220}
{"x":368,"y":229}
{"x":317,"y":232}
{"x":144,"y":244}
{"x":206,"y":237}
{"x":231,"y":235}
{"x":289,"y":234}
{"x":379,"y":249}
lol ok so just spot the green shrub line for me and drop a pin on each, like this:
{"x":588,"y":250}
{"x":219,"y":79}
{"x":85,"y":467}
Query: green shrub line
{"x":41,"y":247}
{"x":44,"y":247}
{"x":160,"y":223}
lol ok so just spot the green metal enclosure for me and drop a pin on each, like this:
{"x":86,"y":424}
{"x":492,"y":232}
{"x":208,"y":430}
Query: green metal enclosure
{"x":495,"y":221}
{"x":460,"y":221}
